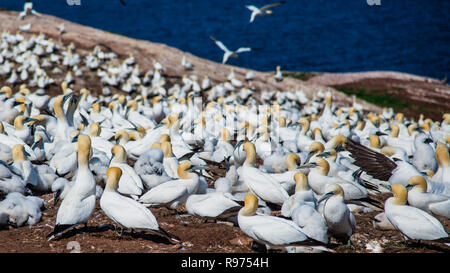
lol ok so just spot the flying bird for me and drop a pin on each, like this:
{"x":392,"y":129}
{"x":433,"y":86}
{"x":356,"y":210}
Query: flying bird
{"x":262,"y":11}
{"x":123,"y":2}
{"x":228,"y":53}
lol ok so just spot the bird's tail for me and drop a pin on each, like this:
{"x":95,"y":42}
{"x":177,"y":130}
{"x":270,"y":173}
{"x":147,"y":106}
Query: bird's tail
{"x":168,"y":235}
{"x":58,"y":230}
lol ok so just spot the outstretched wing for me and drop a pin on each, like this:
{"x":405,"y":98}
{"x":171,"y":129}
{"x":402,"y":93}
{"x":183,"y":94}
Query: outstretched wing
{"x":243,"y":49}
{"x":272,"y":5}
{"x":219,"y":44}
{"x":252,"y":8}
{"x":226,"y":56}
{"x":373,"y":163}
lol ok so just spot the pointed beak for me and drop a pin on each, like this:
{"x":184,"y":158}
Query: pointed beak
{"x":324,"y":154}
{"x":310,"y":154}
{"x":308,"y":165}
{"x":15,"y":103}
{"x":66,"y":97}
{"x":408,"y":187}
{"x":325,"y":197}
{"x":238,"y":144}
{"x":75,"y":139}
{"x":30,"y":120}
{"x":198,"y":167}
{"x":340,"y":125}
{"x":159,"y":125}
{"x":339,"y":148}
{"x":56,"y":197}
{"x":379,"y":133}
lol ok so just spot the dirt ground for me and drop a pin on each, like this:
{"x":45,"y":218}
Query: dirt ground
{"x":197,"y":235}
{"x":410,"y":97}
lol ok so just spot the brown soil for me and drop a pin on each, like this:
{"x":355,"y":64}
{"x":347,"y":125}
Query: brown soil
{"x":197,"y":236}
{"x":429,"y":98}
{"x":406,"y":93}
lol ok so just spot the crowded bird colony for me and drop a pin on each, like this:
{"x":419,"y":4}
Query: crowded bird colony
{"x":297,"y":168}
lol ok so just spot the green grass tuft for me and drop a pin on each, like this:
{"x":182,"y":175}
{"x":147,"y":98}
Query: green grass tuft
{"x":375,"y":96}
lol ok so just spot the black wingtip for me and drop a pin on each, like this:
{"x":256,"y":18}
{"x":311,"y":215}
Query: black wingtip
{"x":169,"y":236}
{"x":57,"y":230}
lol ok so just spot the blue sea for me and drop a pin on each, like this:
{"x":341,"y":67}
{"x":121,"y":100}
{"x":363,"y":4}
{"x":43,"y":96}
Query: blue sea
{"x":302,"y":35}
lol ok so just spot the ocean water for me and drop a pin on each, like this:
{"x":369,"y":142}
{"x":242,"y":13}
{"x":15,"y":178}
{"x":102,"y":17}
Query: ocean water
{"x":410,"y":36}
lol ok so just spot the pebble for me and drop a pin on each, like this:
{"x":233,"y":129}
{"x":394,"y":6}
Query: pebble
{"x":374,"y":247}
{"x":241,"y":241}
{"x":74,"y":246}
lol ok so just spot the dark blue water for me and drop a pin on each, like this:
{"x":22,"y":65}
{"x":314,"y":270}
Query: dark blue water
{"x":302,"y":35}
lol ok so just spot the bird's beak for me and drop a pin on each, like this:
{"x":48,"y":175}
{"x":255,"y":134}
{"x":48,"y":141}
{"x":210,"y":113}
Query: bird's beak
{"x":324,"y":154}
{"x":418,"y":129}
{"x":238,"y":144}
{"x":379,"y":133}
{"x":75,"y":139}
{"x":15,"y":103}
{"x":56,"y":197}
{"x":308,"y":165}
{"x":339,"y":148}
{"x":159,"y":125}
{"x":198,"y":167}
{"x":325,"y":197}
{"x":310,"y":154}
{"x":408,"y":187}
{"x":30,"y":120}
{"x":66,"y":97}
{"x":340,"y":125}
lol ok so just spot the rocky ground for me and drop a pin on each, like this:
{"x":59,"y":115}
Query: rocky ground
{"x":422,"y":95}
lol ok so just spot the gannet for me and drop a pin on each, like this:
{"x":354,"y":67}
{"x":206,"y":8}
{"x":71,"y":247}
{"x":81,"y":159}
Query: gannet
{"x":219,"y":204}
{"x":430,"y":202}
{"x":278,"y":76}
{"x":265,"y":10}
{"x":340,"y":221}
{"x":150,"y":168}
{"x":28,"y":10}
{"x":265,"y":229}
{"x":260,"y":183}
{"x":175,"y":192}
{"x":79,"y":203}
{"x":412,"y":222}
{"x":303,"y":195}
{"x":229,"y":53}
{"x":22,"y":209}
{"x":313,"y":223}
{"x":125,"y":211}
{"x":23,"y":166}
{"x":130,"y":183}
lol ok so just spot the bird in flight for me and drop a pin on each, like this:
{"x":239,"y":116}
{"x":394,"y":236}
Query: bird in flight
{"x":262,"y":11}
{"x":228,"y":53}
{"x":123,"y":2}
